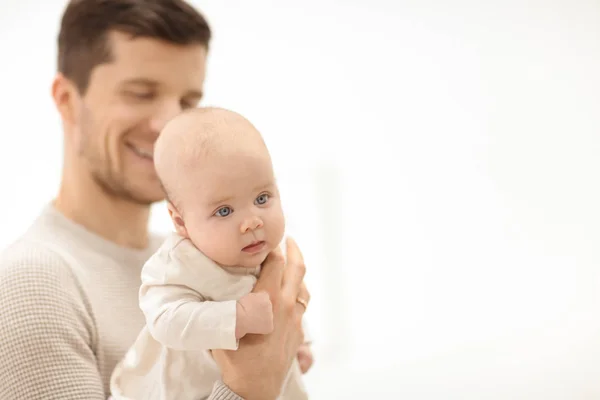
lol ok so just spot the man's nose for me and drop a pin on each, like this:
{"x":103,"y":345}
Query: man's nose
{"x":166,"y":112}
{"x":251,"y":224}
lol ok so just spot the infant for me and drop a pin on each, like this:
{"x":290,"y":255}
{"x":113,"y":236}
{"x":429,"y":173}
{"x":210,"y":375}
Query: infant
{"x":196,"y":289}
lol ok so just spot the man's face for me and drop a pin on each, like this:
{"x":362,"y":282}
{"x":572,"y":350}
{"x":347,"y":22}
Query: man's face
{"x":126,"y":105}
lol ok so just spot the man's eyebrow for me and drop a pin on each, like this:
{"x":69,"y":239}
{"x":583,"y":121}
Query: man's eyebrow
{"x":141,"y":81}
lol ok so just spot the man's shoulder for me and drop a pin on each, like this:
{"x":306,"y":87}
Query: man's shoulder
{"x":28,"y":248}
{"x":30,"y":259}
{"x":36,"y":245}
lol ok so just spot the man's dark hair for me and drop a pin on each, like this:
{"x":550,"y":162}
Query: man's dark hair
{"x":83,"y":41}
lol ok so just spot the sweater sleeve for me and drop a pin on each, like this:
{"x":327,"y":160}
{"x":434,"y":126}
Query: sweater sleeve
{"x":222,"y":392}
{"x":179,"y":319}
{"x":177,"y":315}
{"x":46,"y":330}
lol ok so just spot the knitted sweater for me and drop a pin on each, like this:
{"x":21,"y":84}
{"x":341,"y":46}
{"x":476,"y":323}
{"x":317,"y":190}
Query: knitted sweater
{"x":68,"y":311}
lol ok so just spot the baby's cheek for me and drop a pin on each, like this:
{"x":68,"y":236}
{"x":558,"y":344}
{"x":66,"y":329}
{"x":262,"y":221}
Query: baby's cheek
{"x":204,"y":238}
{"x":278,"y":225}
{"x":219,"y":243}
{"x":214,"y":248}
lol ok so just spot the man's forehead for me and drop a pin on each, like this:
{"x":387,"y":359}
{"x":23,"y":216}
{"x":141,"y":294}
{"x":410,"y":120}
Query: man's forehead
{"x":150,"y":57}
{"x":121,"y":44}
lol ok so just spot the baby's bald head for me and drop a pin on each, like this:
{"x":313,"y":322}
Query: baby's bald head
{"x":219,"y":181}
{"x":198,"y":138}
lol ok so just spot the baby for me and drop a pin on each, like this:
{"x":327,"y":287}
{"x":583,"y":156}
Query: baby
{"x":196,"y":289}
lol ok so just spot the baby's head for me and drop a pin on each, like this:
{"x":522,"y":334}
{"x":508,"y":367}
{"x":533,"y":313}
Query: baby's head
{"x":220,"y":186}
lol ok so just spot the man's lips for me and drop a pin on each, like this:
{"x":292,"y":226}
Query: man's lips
{"x":142,"y":152}
{"x":254,"y":247}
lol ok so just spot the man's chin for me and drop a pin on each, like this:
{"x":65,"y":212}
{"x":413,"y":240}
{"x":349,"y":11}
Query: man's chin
{"x":142,"y":197}
{"x":145,"y":199}
{"x":142,"y":192}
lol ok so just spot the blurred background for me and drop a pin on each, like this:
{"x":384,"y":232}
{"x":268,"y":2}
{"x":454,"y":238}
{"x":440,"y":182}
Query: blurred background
{"x":439,"y":163}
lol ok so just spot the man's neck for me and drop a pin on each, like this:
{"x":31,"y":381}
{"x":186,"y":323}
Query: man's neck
{"x":120,"y":221}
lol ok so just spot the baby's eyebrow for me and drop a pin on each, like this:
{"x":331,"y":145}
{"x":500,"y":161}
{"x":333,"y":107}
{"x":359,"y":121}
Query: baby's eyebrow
{"x":265,"y":186}
{"x":227,"y":199}
{"x":220,"y":201}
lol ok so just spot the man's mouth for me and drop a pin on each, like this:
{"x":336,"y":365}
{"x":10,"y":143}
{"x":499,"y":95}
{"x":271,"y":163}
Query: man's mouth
{"x":254,"y":247}
{"x":146,"y":153}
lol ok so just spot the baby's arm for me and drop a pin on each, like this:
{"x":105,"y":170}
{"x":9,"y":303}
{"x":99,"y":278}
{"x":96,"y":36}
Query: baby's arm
{"x":254,"y":315}
{"x":179,"y":318}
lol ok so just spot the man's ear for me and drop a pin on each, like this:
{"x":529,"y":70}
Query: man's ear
{"x":66,"y":98}
{"x":177,"y":220}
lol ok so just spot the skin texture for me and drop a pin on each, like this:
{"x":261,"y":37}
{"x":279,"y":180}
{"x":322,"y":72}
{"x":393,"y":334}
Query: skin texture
{"x":109,"y":182}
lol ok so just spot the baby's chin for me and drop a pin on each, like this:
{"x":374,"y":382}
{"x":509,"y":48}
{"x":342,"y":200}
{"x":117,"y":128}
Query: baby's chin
{"x":246,"y":261}
{"x":254,"y":262}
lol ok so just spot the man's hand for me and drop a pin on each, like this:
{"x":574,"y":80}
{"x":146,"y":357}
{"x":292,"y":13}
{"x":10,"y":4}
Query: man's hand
{"x":305,"y":357}
{"x":254,"y":315}
{"x":257,"y":370}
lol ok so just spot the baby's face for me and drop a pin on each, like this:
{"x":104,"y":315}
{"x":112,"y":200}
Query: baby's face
{"x":233,"y":214}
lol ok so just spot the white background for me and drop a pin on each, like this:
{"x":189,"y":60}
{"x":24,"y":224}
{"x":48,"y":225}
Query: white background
{"x":440,"y":164}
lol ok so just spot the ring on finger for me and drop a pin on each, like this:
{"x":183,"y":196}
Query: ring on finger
{"x":302,"y":302}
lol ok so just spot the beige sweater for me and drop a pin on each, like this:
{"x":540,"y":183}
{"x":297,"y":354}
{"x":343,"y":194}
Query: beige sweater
{"x":68,"y":311}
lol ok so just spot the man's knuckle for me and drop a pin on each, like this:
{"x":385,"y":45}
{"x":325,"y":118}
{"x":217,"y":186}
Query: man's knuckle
{"x":278,"y":258}
{"x":301,"y":335}
{"x":300,"y":269}
{"x":302,"y":266}
{"x":289,"y":306}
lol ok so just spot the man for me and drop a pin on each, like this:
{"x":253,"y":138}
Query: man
{"x":69,"y":286}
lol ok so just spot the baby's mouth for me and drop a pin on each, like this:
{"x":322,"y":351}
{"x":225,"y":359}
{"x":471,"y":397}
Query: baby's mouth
{"x":255,"y":246}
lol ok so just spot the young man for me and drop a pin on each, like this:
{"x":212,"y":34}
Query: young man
{"x":69,"y":286}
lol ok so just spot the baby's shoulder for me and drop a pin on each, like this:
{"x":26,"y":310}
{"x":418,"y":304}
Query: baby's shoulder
{"x":179,"y":255}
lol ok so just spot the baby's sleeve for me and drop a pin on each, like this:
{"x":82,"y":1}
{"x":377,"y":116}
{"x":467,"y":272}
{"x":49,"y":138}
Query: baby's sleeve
{"x":178,"y":316}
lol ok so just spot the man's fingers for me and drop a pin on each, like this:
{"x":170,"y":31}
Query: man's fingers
{"x":302,"y":301}
{"x":303,"y":293}
{"x":295,"y":269}
{"x":305,"y":358}
{"x":271,"y":274}
{"x":293,"y":251}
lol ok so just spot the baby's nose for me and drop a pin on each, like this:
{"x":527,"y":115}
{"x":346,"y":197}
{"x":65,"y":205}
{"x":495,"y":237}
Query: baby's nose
{"x":251,"y":224}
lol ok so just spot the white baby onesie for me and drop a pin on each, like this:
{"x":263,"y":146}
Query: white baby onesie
{"x":190,"y":307}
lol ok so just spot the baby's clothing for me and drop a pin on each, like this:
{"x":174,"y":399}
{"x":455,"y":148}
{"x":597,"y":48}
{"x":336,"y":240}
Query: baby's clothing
{"x":190,"y":306}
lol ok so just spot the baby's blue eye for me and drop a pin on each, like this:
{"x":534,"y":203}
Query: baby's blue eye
{"x":262,"y":199}
{"x":223,"y":212}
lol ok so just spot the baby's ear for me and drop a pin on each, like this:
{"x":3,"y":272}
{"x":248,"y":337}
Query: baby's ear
{"x":177,"y":220}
